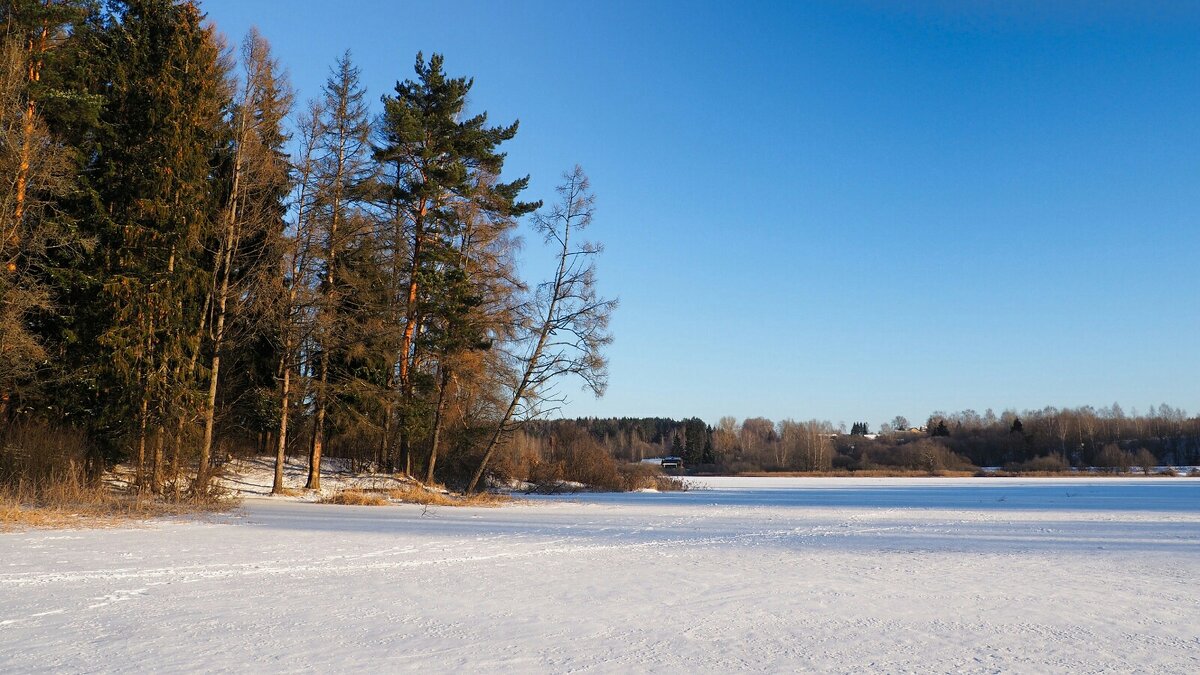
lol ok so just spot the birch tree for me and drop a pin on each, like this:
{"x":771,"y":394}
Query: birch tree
{"x":566,"y":322}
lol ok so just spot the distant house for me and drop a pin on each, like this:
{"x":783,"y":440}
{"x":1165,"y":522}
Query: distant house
{"x":672,"y":462}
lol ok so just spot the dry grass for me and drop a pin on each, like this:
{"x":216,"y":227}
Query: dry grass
{"x":648,"y":477}
{"x":862,"y":473}
{"x":94,"y":506}
{"x":414,"y":494}
{"x":355,"y":497}
{"x":418,"y":494}
{"x":43,"y":483}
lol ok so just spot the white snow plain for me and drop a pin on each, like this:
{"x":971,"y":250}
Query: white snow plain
{"x":791,"y":574}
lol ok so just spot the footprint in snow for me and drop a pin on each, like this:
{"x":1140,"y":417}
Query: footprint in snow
{"x":118,"y":596}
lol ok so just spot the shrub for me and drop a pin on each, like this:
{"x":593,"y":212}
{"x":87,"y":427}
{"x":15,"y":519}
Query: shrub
{"x":1114,"y":459}
{"x":1055,"y":463}
{"x":639,"y":476}
{"x":671,"y":484}
{"x":1145,"y":460}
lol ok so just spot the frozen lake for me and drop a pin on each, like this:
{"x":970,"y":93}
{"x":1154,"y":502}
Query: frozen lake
{"x":834,"y":575}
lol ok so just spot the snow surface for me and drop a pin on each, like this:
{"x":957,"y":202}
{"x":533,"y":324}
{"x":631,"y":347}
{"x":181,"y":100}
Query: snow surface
{"x":833,"y":575}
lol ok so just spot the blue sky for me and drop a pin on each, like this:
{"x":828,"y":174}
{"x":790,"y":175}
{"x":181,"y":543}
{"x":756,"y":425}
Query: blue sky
{"x":841,"y":210}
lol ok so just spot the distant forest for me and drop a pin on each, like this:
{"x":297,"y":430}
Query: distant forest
{"x":193,"y":263}
{"x":1046,"y":440}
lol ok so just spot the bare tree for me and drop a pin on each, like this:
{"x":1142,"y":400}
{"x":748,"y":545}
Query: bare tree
{"x":292,"y":312}
{"x":566,"y":323}
{"x":259,"y":181}
{"x":341,"y":168}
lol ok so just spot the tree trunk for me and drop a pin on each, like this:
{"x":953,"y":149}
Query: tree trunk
{"x":407,"y":353}
{"x":140,"y":480}
{"x":156,"y":479}
{"x":384,"y":459}
{"x":318,"y":437}
{"x":531,"y":366}
{"x":37,"y":47}
{"x":210,"y":408}
{"x":281,"y":448}
{"x":438,"y":414}
{"x":225,"y":263}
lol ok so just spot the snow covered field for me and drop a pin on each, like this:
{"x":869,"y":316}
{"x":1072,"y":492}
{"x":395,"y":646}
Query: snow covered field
{"x":835,"y":575}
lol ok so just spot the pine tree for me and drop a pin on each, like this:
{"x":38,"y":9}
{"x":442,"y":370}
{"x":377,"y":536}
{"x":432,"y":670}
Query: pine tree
{"x":37,"y":172}
{"x":435,"y":159}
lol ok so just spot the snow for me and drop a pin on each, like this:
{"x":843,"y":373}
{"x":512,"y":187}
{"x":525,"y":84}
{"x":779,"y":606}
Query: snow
{"x":837,"y":575}
{"x":254,"y":477}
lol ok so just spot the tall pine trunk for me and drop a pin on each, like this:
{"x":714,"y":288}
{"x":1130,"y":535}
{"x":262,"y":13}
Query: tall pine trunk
{"x":408,"y":354}
{"x":37,"y":48}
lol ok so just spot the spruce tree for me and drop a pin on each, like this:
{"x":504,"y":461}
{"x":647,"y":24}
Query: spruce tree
{"x":161,"y":136}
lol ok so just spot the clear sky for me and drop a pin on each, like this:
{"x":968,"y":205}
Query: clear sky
{"x":842,"y":210}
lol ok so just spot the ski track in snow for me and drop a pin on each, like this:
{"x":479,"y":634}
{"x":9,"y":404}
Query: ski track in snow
{"x":767,"y":575}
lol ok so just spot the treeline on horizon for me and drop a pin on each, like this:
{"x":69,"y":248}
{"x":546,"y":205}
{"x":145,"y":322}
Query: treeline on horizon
{"x":1046,"y":440}
{"x":193,"y":263}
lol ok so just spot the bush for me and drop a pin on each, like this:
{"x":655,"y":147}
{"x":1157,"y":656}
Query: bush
{"x":1114,"y":459}
{"x":649,"y":477}
{"x":1145,"y":460}
{"x":671,"y":484}
{"x":1045,"y":464}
